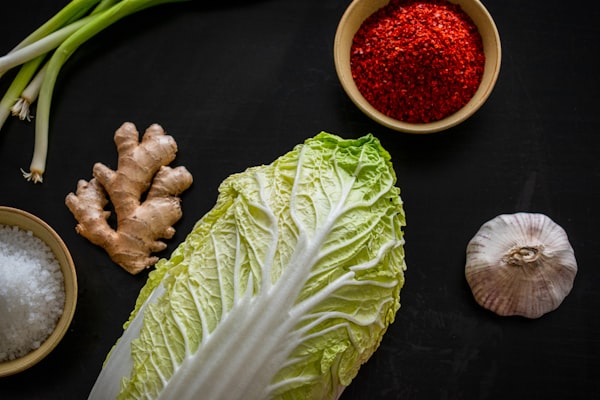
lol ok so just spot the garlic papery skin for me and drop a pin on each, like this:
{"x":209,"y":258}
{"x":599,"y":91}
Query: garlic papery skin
{"x":520,"y":264}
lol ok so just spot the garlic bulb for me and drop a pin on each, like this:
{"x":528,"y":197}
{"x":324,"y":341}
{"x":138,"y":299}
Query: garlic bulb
{"x":520,"y":264}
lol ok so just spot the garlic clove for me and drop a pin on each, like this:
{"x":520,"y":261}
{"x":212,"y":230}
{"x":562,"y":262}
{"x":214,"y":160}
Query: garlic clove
{"x":520,"y":264}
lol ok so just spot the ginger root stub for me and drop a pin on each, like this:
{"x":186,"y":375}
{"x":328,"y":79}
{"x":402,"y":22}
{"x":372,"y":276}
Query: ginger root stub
{"x":143,"y":169}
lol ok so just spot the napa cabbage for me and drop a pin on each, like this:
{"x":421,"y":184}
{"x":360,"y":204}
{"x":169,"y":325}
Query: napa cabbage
{"x":281,"y":291}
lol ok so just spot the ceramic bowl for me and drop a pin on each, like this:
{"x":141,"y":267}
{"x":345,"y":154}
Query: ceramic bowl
{"x":351,"y":21}
{"x":26,"y":221}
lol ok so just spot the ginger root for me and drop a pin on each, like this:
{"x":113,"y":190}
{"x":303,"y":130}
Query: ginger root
{"x":142,"y":169}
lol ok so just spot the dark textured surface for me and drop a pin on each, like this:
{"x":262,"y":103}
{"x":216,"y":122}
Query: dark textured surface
{"x":240,"y":84}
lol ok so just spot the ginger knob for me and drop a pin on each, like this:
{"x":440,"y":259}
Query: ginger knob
{"x":142,"y":170}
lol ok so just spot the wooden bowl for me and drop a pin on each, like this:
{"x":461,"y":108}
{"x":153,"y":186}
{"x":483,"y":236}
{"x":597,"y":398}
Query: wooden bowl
{"x":351,"y":21}
{"x":15,"y":217}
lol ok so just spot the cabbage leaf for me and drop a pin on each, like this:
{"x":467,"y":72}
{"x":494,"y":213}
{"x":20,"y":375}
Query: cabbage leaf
{"x":281,"y":291}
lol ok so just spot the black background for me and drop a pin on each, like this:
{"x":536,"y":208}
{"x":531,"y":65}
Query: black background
{"x":240,"y":83}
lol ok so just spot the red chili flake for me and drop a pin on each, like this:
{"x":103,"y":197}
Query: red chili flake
{"x":418,"y":60}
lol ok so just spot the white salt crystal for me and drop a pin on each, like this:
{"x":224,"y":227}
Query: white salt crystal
{"x":32,"y":293}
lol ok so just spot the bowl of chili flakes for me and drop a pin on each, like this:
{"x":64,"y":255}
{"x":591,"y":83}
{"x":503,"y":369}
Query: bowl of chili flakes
{"x":417,"y":66}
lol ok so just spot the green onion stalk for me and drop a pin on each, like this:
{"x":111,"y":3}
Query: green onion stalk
{"x":41,"y":56}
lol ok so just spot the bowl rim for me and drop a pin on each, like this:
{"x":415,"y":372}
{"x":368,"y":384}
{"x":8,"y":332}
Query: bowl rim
{"x":10,"y":216}
{"x":347,"y":28}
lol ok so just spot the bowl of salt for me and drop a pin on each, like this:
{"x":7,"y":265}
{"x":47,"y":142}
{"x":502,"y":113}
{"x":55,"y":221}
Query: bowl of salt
{"x":38,"y":290}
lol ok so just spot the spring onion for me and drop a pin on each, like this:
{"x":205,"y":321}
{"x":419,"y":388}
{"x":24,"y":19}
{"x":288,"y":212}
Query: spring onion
{"x":41,"y":56}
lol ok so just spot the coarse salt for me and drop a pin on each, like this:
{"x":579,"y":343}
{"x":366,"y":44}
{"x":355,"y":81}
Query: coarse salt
{"x":32,"y":293}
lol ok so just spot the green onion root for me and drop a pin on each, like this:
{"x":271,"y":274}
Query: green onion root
{"x":61,"y":35}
